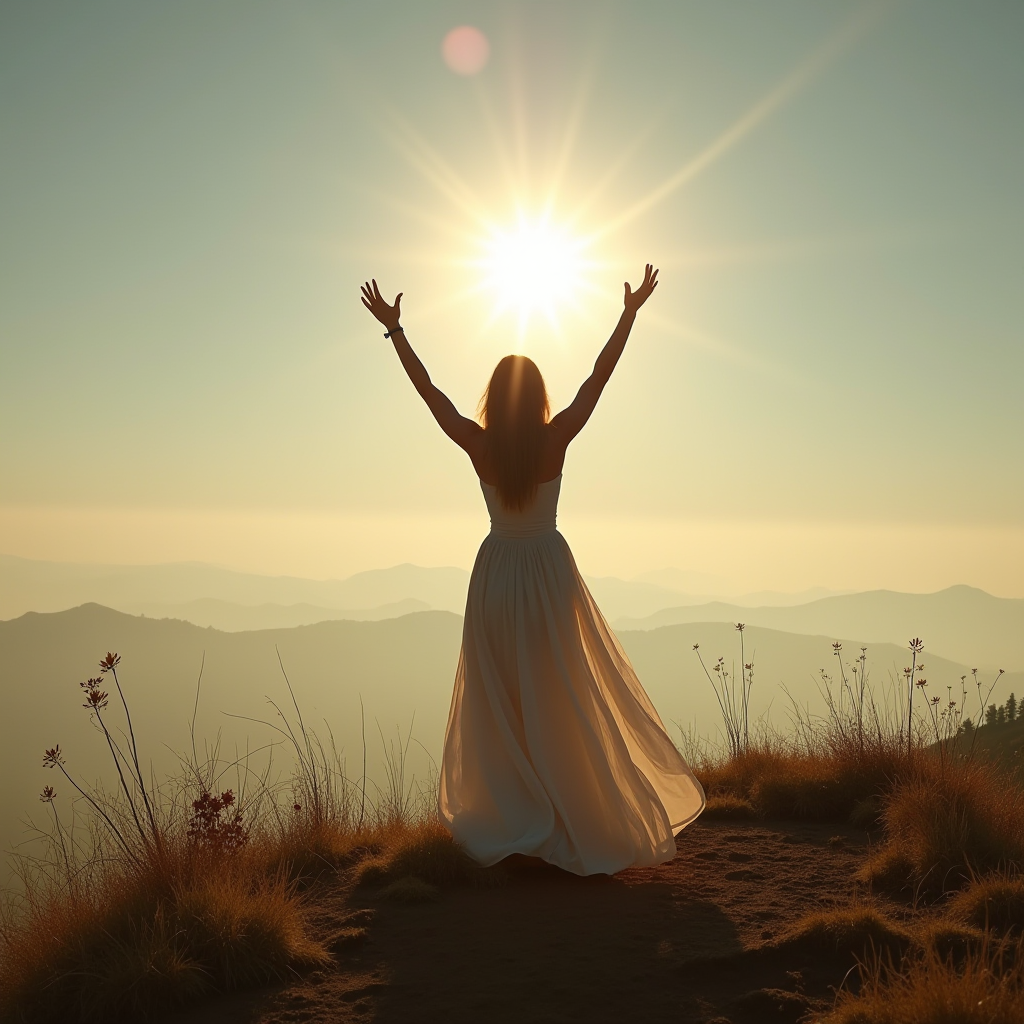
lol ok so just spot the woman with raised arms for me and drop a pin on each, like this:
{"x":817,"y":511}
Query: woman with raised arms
{"x":553,"y":749}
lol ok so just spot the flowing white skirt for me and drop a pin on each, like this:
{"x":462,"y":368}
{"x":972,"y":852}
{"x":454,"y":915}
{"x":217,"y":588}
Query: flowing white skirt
{"x":553,"y":749}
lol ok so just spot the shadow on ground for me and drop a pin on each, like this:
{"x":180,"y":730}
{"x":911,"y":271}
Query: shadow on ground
{"x":691,"y":941}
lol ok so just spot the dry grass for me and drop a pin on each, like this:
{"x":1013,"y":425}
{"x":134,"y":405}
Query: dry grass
{"x":985,"y":987}
{"x":947,"y":822}
{"x":122,"y":941}
{"x":858,"y":930}
{"x":162,"y":895}
{"x":426,"y":853}
{"x":820,"y":782}
{"x":179,"y":892}
{"x":122,"y":944}
{"x":993,"y":902}
{"x":726,"y":807}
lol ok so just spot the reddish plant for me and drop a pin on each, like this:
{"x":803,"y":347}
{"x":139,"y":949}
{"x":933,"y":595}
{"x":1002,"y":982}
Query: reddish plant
{"x":216,"y":823}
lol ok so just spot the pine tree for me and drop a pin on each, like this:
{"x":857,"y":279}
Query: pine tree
{"x":990,"y":714}
{"x":1011,"y":708}
{"x":1000,"y":716}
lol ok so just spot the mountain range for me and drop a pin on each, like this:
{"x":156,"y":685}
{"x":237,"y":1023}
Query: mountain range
{"x":960,"y":623}
{"x":377,"y":679}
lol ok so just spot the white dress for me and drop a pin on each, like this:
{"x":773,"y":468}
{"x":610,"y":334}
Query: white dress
{"x":553,"y":749}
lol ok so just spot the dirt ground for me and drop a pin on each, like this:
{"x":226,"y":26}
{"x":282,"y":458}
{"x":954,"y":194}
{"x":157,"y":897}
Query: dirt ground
{"x":690,"y":941}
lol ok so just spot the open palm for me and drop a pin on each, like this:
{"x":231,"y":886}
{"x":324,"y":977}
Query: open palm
{"x":376,"y":304}
{"x":635,"y":299}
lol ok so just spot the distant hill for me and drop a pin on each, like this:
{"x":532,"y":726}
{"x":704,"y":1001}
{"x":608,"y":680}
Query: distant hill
{"x":961,"y":623}
{"x":27,"y":585}
{"x":211,"y":596}
{"x":703,"y":588}
{"x":235,"y":618}
{"x":400,"y":667}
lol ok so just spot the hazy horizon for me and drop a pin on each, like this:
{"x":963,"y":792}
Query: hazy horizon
{"x":823,"y":391}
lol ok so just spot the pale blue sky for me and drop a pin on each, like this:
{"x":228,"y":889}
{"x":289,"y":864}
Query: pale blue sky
{"x":193,"y":192}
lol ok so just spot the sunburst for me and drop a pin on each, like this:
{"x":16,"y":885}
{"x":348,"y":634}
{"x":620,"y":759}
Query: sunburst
{"x":539,"y":262}
{"x":535,"y":267}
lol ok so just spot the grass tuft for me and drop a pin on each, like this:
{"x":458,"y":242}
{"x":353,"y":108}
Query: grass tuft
{"x":428,"y":853}
{"x":726,"y":807}
{"x":994,"y":902}
{"x":948,"y":823}
{"x":987,"y":987}
{"x":813,"y":780}
{"x":857,"y":930}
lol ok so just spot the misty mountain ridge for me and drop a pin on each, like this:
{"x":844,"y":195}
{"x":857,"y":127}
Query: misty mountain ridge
{"x":236,"y":618}
{"x":29,"y":585}
{"x":961,"y":623}
{"x":702,"y":588}
{"x":183,"y":590}
{"x":32,"y":585}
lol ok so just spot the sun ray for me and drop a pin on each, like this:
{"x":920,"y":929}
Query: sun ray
{"x":794,"y":83}
{"x":613,"y":170}
{"x":577,"y":110}
{"x":517,"y":108}
{"x":449,"y":300}
{"x":767,"y":252}
{"x":539,"y":266}
{"x":420,"y":155}
{"x":494,"y":129}
{"x":460,"y":233}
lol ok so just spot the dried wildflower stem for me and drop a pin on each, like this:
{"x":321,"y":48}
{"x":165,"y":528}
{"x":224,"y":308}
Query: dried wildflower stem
{"x":118,"y":756}
{"x":195,"y":712}
{"x":111,"y":664}
{"x":55,"y":762}
{"x":718,"y":696}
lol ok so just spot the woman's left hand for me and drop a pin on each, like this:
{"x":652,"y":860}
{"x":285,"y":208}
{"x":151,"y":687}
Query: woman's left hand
{"x":635,"y":299}
{"x":374,"y":302}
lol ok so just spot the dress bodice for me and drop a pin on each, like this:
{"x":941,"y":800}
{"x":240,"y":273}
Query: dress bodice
{"x":533,"y":521}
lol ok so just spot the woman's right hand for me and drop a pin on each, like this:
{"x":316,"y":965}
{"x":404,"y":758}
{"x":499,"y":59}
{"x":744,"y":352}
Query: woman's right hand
{"x":374,"y":302}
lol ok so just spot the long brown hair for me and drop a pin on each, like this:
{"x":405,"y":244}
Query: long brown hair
{"x":514,"y":411}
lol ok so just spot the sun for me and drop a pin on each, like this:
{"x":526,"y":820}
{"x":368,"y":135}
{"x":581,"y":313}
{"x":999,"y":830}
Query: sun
{"x":535,"y":267}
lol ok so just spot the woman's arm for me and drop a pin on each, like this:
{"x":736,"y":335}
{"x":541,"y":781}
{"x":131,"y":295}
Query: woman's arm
{"x":571,"y":420}
{"x":466,"y":433}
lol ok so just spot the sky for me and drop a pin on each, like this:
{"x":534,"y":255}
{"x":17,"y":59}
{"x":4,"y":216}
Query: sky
{"x":823,"y":391}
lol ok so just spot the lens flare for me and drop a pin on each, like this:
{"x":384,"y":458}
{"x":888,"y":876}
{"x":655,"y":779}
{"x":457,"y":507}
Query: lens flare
{"x":536,"y":267}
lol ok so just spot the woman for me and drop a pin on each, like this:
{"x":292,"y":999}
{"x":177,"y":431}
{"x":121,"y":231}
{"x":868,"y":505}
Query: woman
{"x":553,"y":749}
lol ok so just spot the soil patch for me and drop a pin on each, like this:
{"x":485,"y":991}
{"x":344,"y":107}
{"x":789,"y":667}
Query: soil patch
{"x":698,"y":940}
